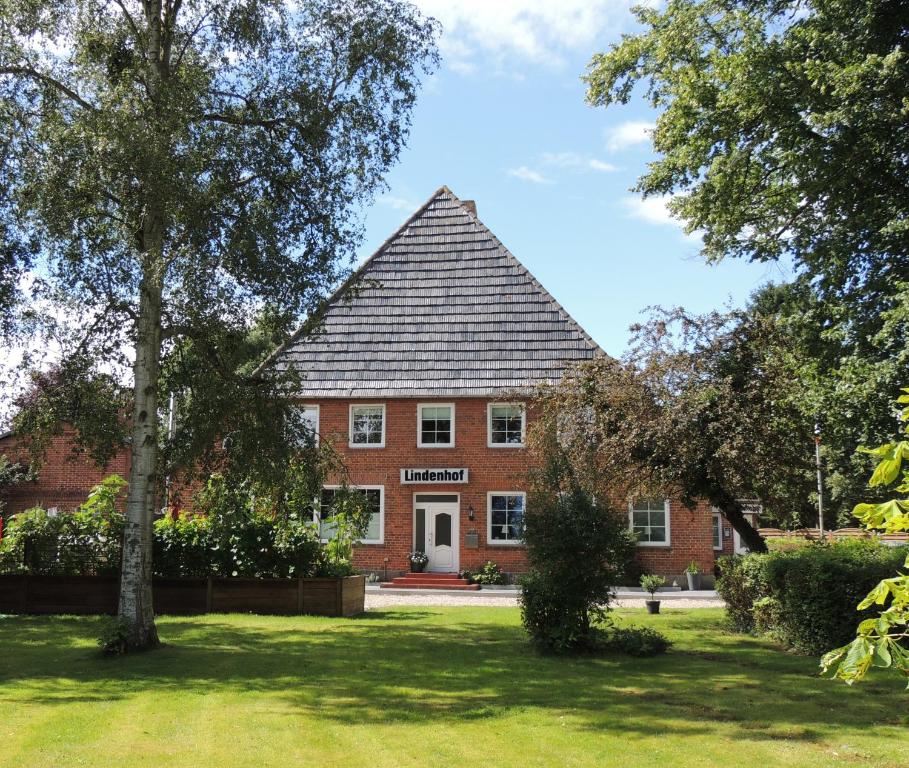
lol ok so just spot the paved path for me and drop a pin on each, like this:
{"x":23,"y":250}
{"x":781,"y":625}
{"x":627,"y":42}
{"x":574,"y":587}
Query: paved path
{"x":376,"y":600}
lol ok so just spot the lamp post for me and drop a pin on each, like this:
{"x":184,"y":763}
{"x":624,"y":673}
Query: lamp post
{"x":820,"y":477}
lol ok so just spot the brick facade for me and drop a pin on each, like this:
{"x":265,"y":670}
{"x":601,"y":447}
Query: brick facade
{"x":490,"y":469}
{"x":65,"y":477}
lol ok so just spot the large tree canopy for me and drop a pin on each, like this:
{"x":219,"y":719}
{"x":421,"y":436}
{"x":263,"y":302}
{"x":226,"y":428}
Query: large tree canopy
{"x":703,"y":407}
{"x":184,"y":164}
{"x":783,"y":129}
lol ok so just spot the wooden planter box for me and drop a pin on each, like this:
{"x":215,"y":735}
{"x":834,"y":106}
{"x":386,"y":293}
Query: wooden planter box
{"x":98,"y":594}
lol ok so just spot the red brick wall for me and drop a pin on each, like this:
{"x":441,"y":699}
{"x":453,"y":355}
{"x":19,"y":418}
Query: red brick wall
{"x":690,"y":539}
{"x":491,"y":469}
{"x":64,"y":478}
{"x":64,"y":481}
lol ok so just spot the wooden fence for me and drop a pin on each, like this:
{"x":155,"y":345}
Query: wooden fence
{"x":893,"y":539}
{"x":98,"y":594}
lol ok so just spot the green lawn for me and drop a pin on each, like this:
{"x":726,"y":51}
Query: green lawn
{"x":427,"y":687}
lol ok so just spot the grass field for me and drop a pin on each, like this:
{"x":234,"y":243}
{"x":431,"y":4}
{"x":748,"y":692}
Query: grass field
{"x":427,"y":687}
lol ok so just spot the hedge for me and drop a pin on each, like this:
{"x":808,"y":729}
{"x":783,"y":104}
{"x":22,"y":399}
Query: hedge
{"x":806,"y":598}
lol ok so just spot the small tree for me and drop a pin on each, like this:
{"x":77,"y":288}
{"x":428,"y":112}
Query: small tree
{"x":882,"y":641}
{"x":577,"y":550}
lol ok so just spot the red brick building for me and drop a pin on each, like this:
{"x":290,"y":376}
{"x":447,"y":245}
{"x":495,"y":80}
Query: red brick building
{"x":64,"y":478}
{"x":421,"y":379}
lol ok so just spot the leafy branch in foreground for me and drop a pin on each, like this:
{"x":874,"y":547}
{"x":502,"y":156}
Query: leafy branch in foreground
{"x":882,"y":641}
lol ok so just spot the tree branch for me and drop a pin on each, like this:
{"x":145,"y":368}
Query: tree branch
{"x":48,"y":80}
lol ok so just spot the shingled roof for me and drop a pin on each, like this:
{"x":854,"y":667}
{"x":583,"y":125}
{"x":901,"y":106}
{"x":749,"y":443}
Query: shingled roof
{"x":442,"y":309}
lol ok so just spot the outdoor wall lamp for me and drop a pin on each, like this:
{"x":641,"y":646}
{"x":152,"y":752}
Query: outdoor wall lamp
{"x":470,"y":513}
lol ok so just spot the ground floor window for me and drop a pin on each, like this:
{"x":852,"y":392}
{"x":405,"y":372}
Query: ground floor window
{"x":505,"y":516}
{"x":717,"y":531}
{"x":649,"y":520}
{"x":375,"y":498}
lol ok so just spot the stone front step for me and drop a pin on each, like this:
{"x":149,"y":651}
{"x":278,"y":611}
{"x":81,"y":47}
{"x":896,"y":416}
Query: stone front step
{"x":430,"y":581}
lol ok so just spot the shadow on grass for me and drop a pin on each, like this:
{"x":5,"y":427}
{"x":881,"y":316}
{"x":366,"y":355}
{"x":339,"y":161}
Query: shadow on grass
{"x":419,"y":666}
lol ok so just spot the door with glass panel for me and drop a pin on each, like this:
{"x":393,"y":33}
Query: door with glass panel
{"x":439,"y":521}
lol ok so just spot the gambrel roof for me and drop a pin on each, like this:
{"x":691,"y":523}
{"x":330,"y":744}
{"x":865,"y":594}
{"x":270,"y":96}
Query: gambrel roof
{"x":442,"y":309}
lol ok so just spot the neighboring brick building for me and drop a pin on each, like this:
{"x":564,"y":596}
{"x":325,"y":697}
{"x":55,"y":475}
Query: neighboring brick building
{"x":426,"y":368}
{"x":64,"y":478}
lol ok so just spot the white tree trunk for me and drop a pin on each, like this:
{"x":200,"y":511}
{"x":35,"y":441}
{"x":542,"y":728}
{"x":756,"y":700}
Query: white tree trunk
{"x":135,"y":604}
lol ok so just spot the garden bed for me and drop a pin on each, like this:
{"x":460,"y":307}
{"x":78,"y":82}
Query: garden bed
{"x":98,"y":594}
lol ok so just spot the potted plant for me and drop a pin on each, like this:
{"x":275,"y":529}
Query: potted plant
{"x":651,"y":583}
{"x":418,"y":561}
{"x":693,"y":574}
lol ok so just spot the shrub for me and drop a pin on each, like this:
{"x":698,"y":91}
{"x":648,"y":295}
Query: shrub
{"x":576,"y":551}
{"x":806,"y":598}
{"x":83,"y":542}
{"x":634,"y":641}
{"x":488,"y":574}
{"x":742,"y":582}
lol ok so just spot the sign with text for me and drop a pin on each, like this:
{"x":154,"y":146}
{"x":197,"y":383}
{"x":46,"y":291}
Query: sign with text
{"x":416,"y":476}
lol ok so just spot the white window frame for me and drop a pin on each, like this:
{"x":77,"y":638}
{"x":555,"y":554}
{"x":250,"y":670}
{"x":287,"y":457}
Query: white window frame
{"x":317,"y":511}
{"x":719,"y":526}
{"x":491,"y":542}
{"x":489,"y":442}
{"x":640,"y":543}
{"x":420,"y":443}
{"x":350,"y":425}
{"x":313,"y":407}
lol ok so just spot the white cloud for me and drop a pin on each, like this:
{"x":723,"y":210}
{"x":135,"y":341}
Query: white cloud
{"x":542,"y":31}
{"x":576,"y":161}
{"x":655,"y":210}
{"x":599,"y":165}
{"x":397,"y":203}
{"x":528,"y":174}
{"x":628,"y":134}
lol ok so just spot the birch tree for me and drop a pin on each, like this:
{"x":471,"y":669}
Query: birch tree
{"x":176,"y":165}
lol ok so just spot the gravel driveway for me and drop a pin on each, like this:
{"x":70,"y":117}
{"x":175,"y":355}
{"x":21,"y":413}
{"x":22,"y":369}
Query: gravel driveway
{"x":375,"y":601}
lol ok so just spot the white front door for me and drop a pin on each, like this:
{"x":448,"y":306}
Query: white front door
{"x":442,"y":536}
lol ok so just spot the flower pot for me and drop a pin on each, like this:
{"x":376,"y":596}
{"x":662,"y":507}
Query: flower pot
{"x":653,"y":606}
{"x":417,"y":567}
{"x":694,"y":580}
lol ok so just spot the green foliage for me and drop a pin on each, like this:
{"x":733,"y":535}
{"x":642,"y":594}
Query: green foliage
{"x":635,"y":641}
{"x":742,"y":582}
{"x":693,"y":567}
{"x":11,"y":473}
{"x":805,"y":598}
{"x":214,"y":157}
{"x":85,"y":541}
{"x":576,"y":551}
{"x":114,"y":637}
{"x":348,"y":520}
{"x":490,"y":573}
{"x":701,"y":408}
{"x":651,"y":583}
{"x":781,"y":131}
{"x":234,"y":533}
{"x":882,"y":639}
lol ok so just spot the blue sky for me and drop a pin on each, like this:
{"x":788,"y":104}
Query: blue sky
{"x":504,"y":123}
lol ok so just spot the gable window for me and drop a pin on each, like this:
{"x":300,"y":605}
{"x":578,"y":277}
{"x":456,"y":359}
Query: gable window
{"x":717,"y":531}
{"x":310,"y":414}
{"x":375,"y":499}
{"x":507,"y":422}
{"x":367,"y":426}
{"x":649,"y":520}
{"x":505,"y":517}
{"x":435,"y":425}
